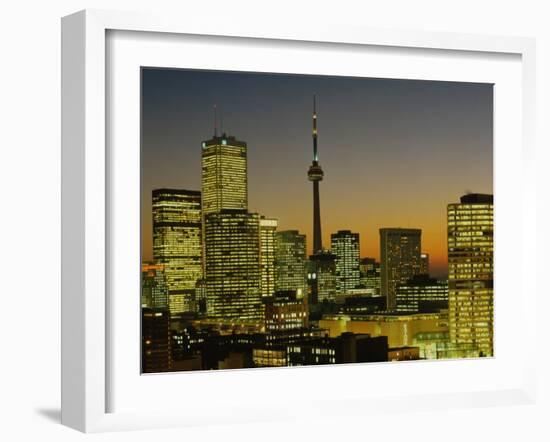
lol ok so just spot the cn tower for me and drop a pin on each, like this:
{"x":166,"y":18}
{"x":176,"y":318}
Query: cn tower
{"x":315,"y":174}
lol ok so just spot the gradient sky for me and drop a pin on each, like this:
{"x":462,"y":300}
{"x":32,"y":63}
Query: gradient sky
{"x":394,"y":152}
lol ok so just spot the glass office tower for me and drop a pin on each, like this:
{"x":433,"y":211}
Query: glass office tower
{"x":399,"y":259}
{"x":470,"y":251}
{"x":177,"y":244}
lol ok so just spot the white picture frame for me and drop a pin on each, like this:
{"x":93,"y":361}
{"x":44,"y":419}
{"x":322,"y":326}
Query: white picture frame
{"x":86,"y":202}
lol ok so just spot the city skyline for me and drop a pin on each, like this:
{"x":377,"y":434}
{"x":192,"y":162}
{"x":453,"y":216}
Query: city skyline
{"x":226,"y":288}
{"x":354,"y":195}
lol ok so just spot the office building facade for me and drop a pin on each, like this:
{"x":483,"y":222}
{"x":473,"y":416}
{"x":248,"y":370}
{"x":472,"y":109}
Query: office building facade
{"x":399,"y":260}
{"x":322,"y":277}
{"x":154,"y":291}
{"x":177,"y":244}
{"x":291,"y":262}
{"x":422,"y":294}
{"x":470,"y":252}
{"x":267,"y":255}
{"x":224,"y":174}
{"x":369,"y":279}
{"x":345,"y":246}
{"x":232,"y":265}
{"x":286,"y":311}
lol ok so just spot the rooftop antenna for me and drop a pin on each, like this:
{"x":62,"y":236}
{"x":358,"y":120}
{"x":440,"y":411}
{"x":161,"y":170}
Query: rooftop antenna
{"x":215,"y":120}
{"x":221,"y":122}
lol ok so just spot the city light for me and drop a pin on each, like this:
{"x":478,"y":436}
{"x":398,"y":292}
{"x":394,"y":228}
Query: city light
{"x":229,"y":286}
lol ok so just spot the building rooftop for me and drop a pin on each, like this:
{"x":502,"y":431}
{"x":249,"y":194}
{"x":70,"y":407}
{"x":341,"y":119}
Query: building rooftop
{"x":223,"y":140}
{"x":423,"y":280}
{"x":476,"y":198}
{"x":166,"y":191}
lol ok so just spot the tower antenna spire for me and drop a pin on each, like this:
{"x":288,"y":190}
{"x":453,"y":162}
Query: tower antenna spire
{"x":215,"y":120}
{"x":314,"y":134}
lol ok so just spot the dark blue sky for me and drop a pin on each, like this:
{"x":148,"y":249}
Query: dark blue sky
{"x":394,"y":152}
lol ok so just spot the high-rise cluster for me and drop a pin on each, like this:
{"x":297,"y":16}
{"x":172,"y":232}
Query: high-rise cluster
{"x":227,"y":289}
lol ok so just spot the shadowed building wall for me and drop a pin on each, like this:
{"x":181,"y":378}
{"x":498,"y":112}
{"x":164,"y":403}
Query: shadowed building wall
{"x":290,"y":262}
{"x":399,"y":259}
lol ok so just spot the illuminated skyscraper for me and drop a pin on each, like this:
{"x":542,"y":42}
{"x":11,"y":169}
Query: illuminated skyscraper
{"x":290,"y":262}
{"x":267,"y":255}
{"x":232,"y":265}
{"x":315,"y":174}
{"x":345,"y":246}
{"x":224,"y":174}
{"x":177,"y":244}
{"x":470,"y":251}
{"x":369,"y":269}
{"x":154,"y":291}
{"x":399,"y":259}
{"x":232,"y":236}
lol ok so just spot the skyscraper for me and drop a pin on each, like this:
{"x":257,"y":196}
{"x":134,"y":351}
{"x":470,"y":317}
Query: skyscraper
{"x":290,"y":262}
{"x":154,"y":291}
{"x":345,"y":246}
{"x":322,"y":277}
{"x":267,"y":255}
{"x":470,"y":252}
{"x":399,"y":259}
{"x":232,"y":236}
{"x":369,"y":269}
{"x":232,"y":265}
{"x":224,"y":174}
{"x":315,"y":174}
{"x":177,"y":244}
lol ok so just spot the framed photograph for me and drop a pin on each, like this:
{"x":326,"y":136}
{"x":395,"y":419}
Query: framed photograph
{"x":257,"y":213}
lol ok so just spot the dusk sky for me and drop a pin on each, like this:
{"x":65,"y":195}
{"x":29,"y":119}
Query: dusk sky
{"x":394,"y":152}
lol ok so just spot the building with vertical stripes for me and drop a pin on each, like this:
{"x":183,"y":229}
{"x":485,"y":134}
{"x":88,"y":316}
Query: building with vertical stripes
{"x":291,"y":262}
{"x":177,"y":244}
{"x":470,"y":254}
{"x":345,"y":246}
{"x":399,"y":259}
{"x":268,"y":226}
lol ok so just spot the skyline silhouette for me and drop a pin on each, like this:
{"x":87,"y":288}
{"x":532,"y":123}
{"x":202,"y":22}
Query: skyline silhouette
{"x":394,"y":152}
